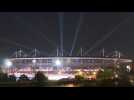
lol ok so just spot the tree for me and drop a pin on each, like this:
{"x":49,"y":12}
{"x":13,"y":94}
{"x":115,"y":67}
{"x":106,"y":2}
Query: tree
{"x":40,"y":79}
{"x":124,"y":79}
{"x":106,"y":78}
{"x":39,"y":76}
{"x":1,"y":70}
{"x":12,"y":78}
{"x":23,"y":78}
{"x":79,"y":77}
{"x":23,"y":81}
{"x":3,"y":77}
{"x":106,"y":74}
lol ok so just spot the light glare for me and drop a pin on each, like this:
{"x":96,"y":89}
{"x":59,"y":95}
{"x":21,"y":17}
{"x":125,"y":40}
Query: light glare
{"x":34,"y":61}
{"x":58,"y":62}
{"x":8,"y":63}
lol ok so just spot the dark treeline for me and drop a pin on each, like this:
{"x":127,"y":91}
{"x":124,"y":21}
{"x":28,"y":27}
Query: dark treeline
{"x":40,"y":80}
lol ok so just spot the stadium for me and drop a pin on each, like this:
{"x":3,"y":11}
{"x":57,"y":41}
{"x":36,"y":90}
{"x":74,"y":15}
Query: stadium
{"x":65,"y":64}
{"x":59,"y":67}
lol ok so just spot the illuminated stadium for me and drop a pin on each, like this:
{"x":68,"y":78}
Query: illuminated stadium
{"x":65,"y":62}
{"x":59,"y":67}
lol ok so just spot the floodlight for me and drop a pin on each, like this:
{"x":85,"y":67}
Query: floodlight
{"x":33,"y":61}
{"x":8,"y":63}
{"x":58,"y":62}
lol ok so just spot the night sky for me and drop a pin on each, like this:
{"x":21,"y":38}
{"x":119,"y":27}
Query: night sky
{"x":41,"y":30}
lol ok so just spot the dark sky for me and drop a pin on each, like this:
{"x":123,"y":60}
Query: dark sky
{"x":41,"y":30}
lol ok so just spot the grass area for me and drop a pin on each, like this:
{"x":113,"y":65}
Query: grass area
{"x":68,"y":83}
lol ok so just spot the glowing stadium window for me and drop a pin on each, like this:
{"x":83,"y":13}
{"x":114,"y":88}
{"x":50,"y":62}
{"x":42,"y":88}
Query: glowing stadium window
{"x":68,"y":60}
{"x":8,"y":63}
{"x":94,"y":73}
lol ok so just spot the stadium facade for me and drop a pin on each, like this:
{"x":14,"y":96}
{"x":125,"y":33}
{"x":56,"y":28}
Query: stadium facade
{"x":61,"y":67}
